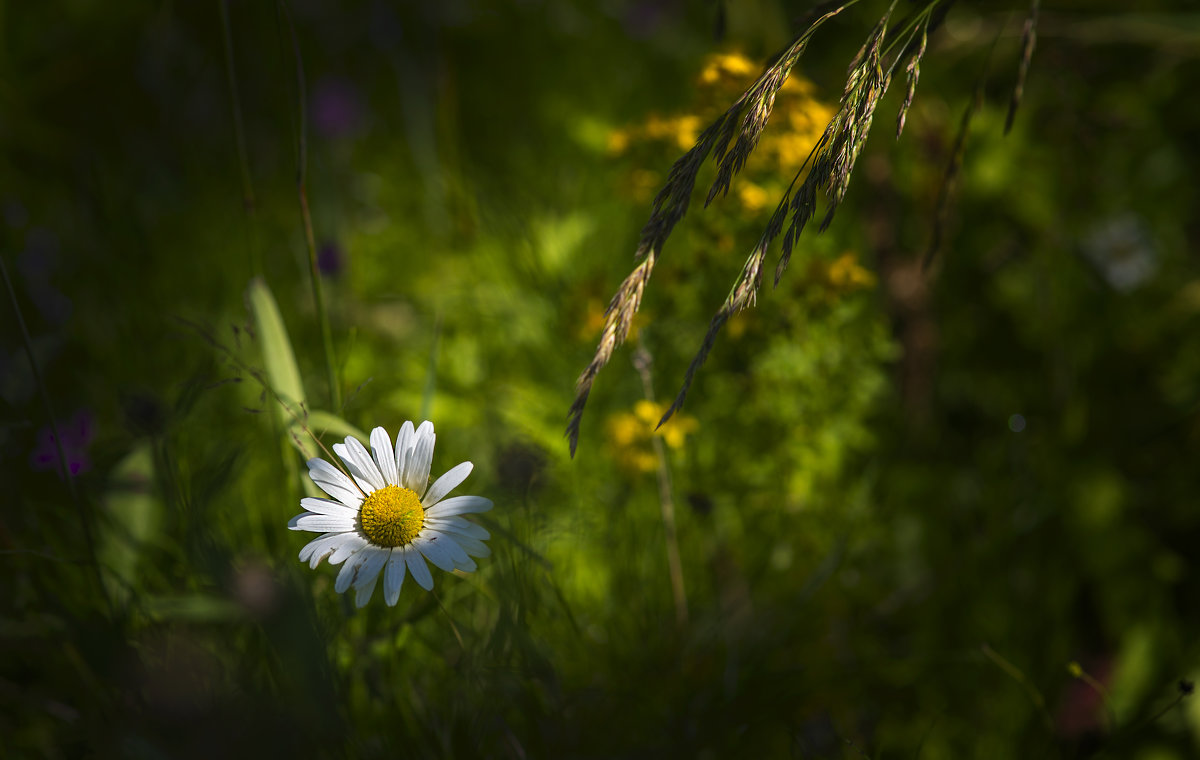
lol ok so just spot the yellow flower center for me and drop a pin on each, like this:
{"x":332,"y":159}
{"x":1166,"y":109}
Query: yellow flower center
{"x":391,"y":516}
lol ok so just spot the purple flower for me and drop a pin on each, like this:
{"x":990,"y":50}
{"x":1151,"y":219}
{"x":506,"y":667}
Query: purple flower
{"x":337,"y":110}
{"x":76,"y":436}
{"x":330,"y":259}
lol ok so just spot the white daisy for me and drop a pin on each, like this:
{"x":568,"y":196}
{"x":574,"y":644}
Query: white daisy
{"x":385,"y":519}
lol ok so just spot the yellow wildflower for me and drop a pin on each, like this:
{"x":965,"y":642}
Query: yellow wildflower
{"x":643,"y":184}
{"x":845,"y":273}
{"x":674,"y":431}
{"x":684,"y":130}
{"x":618,"y":141}
{"x":797,"y":85}
{"x":737,"y":325}
{"x":752,"y":196}
{"x":631,"y":434}
{"x":796,"y":125}
{"x":726,"y":66}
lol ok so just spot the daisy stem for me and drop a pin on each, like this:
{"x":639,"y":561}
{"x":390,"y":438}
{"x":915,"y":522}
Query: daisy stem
{"x":85,"y":520}
{"x":335,"y":395}
{"x":642,"y":361}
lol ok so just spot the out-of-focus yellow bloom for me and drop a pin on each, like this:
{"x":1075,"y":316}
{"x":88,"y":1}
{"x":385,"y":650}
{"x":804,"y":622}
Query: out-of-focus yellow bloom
{"x":805,"y":121}
{"x":737,"y":324}
{"x":830,"y":280}
{"x":683,"y":130}
{"x":631,"y":443}
{"x":725,"y":66}
{"x":618,"y":141}
{"x":631,"y":434}
{"x":675,"y":431}
{"x":643,"y":184}
{"x":845,"y":273}
{"x":799,"y":86}
{"x":752,"y":196}
{"x":797,"y":121}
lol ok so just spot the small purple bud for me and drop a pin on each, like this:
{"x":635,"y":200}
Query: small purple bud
{"x":76,"y":434}
{"x":336,"y":110}
{"x":330,"y":260}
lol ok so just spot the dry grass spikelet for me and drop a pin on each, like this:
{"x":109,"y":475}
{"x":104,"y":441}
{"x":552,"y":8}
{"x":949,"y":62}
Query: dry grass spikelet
{"x":1028,"y":42}
{"x":731,"y":139}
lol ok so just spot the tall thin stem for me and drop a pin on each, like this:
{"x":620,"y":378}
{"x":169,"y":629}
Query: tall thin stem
{"x":335,"y":393}
{"x":642,"y":361}
{"x":1015,"y":673}
{"x":249,"y":202}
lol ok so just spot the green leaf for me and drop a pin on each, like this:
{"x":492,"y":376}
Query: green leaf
{"x":197,"y":608}
{"x":324,"y":422}
{"x":278,"y":359}
{"x":134,"y":514}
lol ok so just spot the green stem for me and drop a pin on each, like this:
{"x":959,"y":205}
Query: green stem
{"x":335,"y":393}
{"x":913,"y":23}
{"x":642,"y":362}
{"x":249,"y":202}
{"x":1015,"y":673}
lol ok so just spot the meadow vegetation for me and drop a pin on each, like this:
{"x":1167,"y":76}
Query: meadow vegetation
{"x":930,"y":492}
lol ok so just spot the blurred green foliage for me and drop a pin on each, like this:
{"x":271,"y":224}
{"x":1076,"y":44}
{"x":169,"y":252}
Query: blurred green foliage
{"x":941,"y":513}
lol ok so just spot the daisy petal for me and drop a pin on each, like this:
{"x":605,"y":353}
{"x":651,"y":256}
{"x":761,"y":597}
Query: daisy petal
{"x":459,"y":505}
{"x":319,"y":547}
{"x":385,"y":457}
{"x":467,"y":567}
{"x":416,"y":475}
{"x":325,"y":551}
{"x":433,"y":549}
{"x":450,"y":546}
{"x":326,"y":507}
{"x":362,"y":594}
{"x":460,"y":527}
{"x":418,"y":568}
{"x":368,"y":570}
{"x":322,"y":523}
{"x":332,"y":481}
{"x":360,"y":464}
{"x":393,"y":577}
{"x":347,"y":574}
{"x":473,"y":547}
{"x":404,"y":441}
{"x":447,"y":483}
{"x":353,"y":543}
